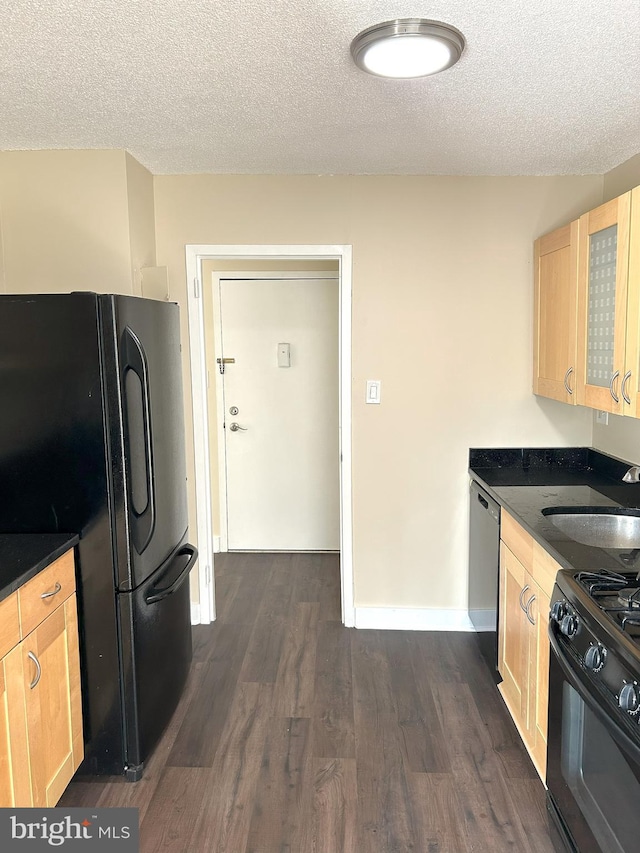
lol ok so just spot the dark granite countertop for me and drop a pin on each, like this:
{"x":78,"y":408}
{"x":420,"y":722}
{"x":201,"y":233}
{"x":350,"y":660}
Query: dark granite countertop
{"x":526,"y":481}
{"x":23,"y":555}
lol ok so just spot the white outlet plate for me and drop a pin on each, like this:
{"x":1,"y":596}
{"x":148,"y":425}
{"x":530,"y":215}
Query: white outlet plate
{"x":602,"y":418}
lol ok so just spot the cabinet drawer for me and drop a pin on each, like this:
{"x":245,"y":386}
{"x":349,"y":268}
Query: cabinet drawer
{"x":517,"y":539}
{"x":9,"y":624}
{"x":43,"y":593}
{"x":513,"y":565}
{"x":545,"y":569}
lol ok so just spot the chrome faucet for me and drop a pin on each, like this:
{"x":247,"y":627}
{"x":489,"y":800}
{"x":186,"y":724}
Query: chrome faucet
{"x":632,"y":475}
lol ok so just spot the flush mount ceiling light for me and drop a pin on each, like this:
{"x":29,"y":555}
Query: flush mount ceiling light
{"x":407,"y":47}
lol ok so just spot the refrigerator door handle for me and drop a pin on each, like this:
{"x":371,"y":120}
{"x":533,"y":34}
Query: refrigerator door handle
{"x":156,"y":593}
{"x":143,"y":520}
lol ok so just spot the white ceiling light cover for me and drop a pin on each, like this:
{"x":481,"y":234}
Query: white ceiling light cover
{"x":407,"y":48}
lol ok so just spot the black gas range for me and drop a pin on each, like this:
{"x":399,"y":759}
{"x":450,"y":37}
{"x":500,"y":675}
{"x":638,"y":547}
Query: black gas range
{"x":593,"y":772}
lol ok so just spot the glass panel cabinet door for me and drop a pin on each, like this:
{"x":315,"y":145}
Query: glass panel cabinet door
{"x":602,"y":305}
{"x":602,"y":300}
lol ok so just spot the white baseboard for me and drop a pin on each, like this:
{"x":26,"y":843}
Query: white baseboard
{"x":483,"y":620}
{"x":216,"y":544}
{"x":412,"y":619}
{"x":195,"y":613}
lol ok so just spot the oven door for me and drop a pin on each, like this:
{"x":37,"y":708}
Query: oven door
{"x":593,"y":764}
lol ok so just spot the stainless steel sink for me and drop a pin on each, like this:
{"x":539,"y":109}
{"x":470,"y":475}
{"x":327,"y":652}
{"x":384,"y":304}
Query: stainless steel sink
{"x":601,"y":527}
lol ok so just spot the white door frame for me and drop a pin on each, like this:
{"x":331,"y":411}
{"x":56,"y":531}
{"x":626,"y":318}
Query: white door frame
{"x":195,"y":255}
{"x":257,"y":276}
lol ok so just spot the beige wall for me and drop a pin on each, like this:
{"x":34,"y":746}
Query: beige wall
{"x":75,"y":220}
{"x":141,"y":220}
{"x":622,"y":436}
{"x":442,"y":314}
{"x":64,"y":221}
{"x":624,"y":177}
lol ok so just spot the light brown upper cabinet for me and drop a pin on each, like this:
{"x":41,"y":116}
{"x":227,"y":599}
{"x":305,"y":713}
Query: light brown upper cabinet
{"x":604,"y":377}
{"x":631,"y":387}
{"x":555,"y":315}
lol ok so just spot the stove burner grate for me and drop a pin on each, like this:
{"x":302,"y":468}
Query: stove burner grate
{"x":617,"y":595}
{"x":629,"y":597}
{"x":602,"y":582}
{"x":630,"y":623}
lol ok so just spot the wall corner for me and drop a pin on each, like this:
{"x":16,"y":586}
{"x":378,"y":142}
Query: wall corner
{"x":139,"y":189}
{"x":3,"y":283}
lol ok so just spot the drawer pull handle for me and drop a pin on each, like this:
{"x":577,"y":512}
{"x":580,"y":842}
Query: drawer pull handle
{"x":522,"y":592}
{"x":53,"y":592}
{"x":38,"y":669}
{"x":625,"y":379}
{"x":528,"y":611}
{"x":616,"y":399}
{"x":566,"y":381}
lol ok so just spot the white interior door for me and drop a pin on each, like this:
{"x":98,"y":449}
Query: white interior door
{"x":280,"y":398}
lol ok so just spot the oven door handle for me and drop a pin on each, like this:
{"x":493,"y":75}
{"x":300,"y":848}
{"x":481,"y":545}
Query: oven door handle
{"x":581,"y":684}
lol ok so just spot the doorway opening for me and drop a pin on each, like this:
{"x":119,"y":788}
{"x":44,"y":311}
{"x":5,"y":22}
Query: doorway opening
{"x":200,"y":260}
{"x":271,"y":341}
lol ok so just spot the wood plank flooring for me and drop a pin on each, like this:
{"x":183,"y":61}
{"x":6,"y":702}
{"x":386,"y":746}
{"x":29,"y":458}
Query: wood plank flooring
{"x":296,"y":735}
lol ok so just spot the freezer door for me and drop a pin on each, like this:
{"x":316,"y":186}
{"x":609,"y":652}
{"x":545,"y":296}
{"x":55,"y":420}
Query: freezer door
{"x":150,"y":415}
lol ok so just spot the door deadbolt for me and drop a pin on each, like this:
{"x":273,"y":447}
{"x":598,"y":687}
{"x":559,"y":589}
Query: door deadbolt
{"x":234,"y":410}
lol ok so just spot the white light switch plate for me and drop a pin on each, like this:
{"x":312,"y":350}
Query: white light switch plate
{"x":602,"y":418}
{"x":373,"y":391}
{"x":284,"y":355}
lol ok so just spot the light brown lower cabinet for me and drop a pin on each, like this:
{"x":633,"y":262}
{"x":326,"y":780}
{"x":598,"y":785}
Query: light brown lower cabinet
{"x":15,"y":778}
{"x":523,"y":646}
{"x":41,"y":743}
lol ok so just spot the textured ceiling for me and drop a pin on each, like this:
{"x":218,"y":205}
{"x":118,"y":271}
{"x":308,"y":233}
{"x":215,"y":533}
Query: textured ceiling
{"x":543,"y":87}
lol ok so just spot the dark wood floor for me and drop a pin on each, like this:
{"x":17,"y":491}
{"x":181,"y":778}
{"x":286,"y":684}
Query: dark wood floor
{"x":296,"y":735}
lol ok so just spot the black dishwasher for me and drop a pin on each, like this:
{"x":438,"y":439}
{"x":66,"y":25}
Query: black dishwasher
{"x":484,"y":558}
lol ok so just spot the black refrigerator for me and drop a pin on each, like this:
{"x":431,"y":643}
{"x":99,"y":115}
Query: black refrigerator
{"x":92,"y":442}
